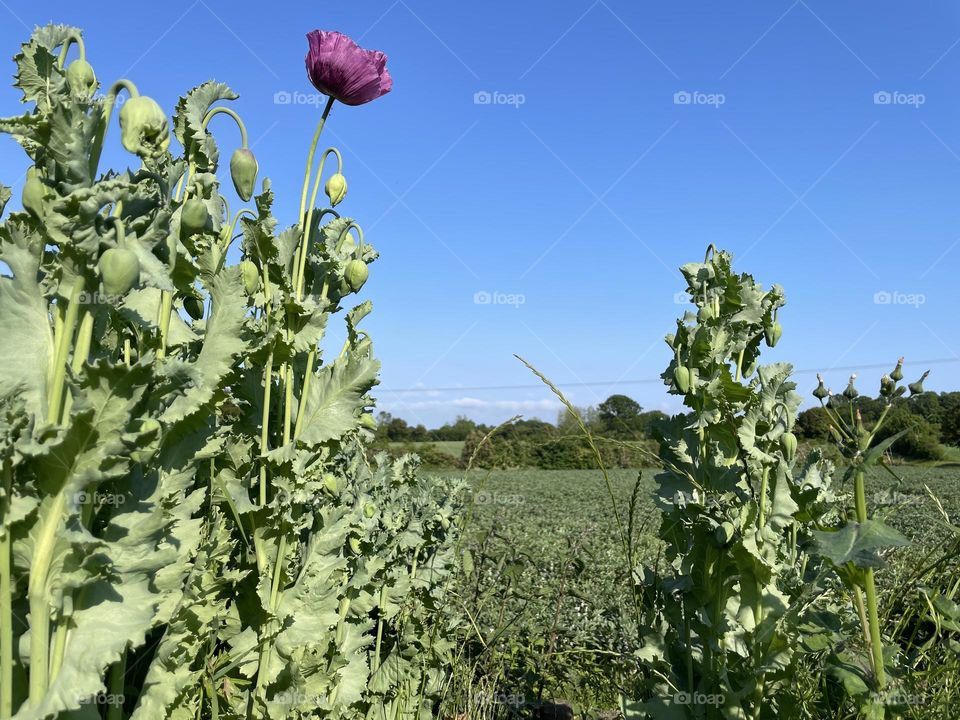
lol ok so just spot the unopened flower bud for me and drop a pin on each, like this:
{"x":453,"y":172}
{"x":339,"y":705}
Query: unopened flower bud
{"x":356,"y":274}
{"x":243,"y":172}
{"x":772,"y":333}
{"x":144,"y":129}
{"x":336,"y":189}
{"x":251,"y":276}
{"x":81,"y":78}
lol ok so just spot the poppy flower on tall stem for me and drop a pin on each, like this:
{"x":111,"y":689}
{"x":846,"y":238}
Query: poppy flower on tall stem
{"x":344,"y":71}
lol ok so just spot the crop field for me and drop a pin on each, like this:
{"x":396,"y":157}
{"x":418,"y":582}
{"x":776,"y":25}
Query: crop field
{"x":554,"y":535}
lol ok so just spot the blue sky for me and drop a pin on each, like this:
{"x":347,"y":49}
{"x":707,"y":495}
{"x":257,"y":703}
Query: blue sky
{"x":573,"y":195}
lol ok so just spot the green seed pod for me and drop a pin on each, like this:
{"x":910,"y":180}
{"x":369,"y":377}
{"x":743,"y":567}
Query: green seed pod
{"x":681,"y":377}
{"x":772,"y":333}
{"x":916,"y":388}
{"x":836,"y":434}
{"x":193,"y":306}
{"x":336,"y":189}
{"x":144,"y":129}
{"x":369,"y":510}
{"x":724,"y":533}
{"x":82,"y":79}
{"x":251,"y":276}
{"x":897,"y":374}
{"x":193,"y":217}
{"x":120,"y":270}
{"x":851,"y":392}
{"x":788,"y":443}
{"x":150,"y":444}
{"x":821,"y":392}
{"x":330,"y":483}
{"x":34,"y":193}
{"x":356,"y":274}
{"x":243,"y":172}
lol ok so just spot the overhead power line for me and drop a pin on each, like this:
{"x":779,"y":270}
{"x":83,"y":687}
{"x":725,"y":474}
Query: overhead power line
{"x":648,"y":381}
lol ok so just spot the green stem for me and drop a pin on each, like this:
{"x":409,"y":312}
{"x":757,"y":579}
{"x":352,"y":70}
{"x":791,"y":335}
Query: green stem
{"x":44,"y":545}
{"x":300,"y":272}
{"x":97,"y":146}
{"x":166,"y":308}
{"x":72,"y":39}
{"x":870,"y":588}
{"x":6,"y":603}
{"x":762,"y":520}
{"x":313,"y":150}
{"x":227,"y":111}
{"x":60,"y":637}
{"x":63,"y":349}
{"x":265,"y":427}
{"x":115,"y":687}
{"x":81,"y":354}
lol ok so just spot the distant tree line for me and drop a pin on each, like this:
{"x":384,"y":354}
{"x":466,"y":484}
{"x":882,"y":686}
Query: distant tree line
{"x":625,"y":436}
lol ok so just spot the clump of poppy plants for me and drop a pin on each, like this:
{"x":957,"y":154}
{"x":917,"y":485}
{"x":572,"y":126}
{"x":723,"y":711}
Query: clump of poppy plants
{"x":190,"y":522}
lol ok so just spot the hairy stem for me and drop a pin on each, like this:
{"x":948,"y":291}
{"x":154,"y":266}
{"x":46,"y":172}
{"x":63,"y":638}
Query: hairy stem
{"x":870,"y":588}
{"x":6,"y":603}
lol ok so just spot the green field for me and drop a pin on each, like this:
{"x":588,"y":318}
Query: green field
{"x":551,"y":575}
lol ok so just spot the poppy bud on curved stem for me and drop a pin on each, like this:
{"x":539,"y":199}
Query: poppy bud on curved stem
{"x":144,"y":129}
{"x":336,"y":189}
{"x":243,"y":163}
{"x":81,"y":78}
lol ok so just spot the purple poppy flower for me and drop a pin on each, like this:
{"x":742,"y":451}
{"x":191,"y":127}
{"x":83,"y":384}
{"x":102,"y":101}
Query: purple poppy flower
{"x":340,"y":68}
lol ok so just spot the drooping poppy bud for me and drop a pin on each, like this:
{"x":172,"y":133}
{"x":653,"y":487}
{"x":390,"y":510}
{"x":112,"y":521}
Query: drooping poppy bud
{"x":34,"y":193}
{"x":916,"y":388}
{"x":243,"y":172}
{"x":772,"y":333}
{"x":851,"y":392}
{"x":81,"y":78}
{"x":356,"y":274}
{"x":144,"y":129}
{"x":193,"y":306}
{"x":897,"y":374}
{"x":193,"y":217}
{"x":251,"y":276}
{"x":336,"y":189}
{"x":821,"y":391}
{"x":681,"y":377}
{"x":788,"y":443}
{"x":120,"y":270}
